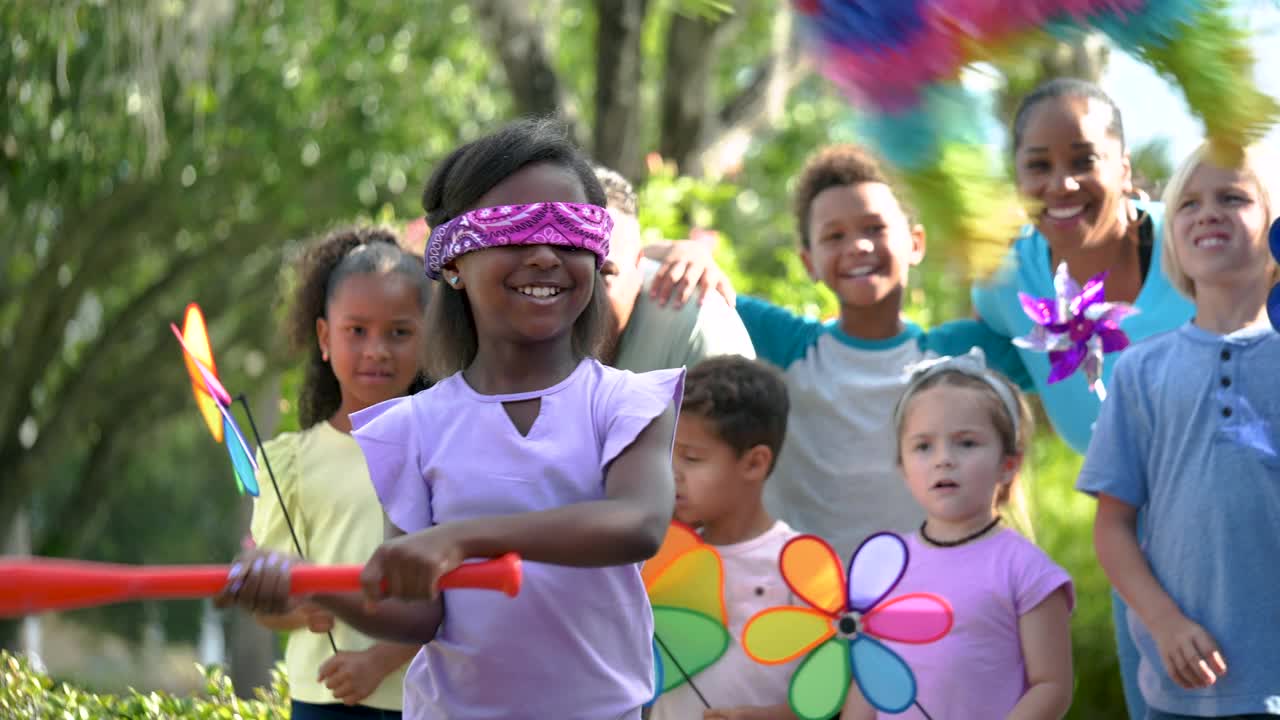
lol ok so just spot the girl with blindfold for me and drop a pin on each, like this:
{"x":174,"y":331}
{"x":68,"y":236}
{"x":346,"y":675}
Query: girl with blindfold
{"x":526,"y":445}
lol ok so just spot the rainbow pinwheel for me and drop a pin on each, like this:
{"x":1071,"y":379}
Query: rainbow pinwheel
{"x":1273,"y":300}
{"x":842,"y":630}
{"x":900,"y":63}
{"x":213,"y":399}
{"x":1076,"y":327}
{"x":685,"y":583}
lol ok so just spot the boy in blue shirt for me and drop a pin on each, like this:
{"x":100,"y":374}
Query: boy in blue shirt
{"x":1188,"y":436}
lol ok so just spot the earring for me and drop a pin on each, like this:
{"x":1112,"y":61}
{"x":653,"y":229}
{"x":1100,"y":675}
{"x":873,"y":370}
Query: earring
{"x":454,"y":281}
{"x":324,"y":355}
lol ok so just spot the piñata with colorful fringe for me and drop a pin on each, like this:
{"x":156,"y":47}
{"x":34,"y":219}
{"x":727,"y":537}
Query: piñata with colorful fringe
{"x":899,"y":62}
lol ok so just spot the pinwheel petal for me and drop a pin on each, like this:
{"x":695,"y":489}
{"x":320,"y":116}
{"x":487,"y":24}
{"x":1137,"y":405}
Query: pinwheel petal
{"x":242,"y":460}
{"x":1063,"y":363}
{"x":658,"y":674}
{"x":917,"y":618}
{"x":1064,"y":286}
{"x":1113,"y":340}
{"x":204,"y":379}
{"x":782,"y":634}
{"x":820,"y":684}
{"x":1110,"y":313}
{"x":812,"y":570}
{"x":680,"y":539}
{"x":694,"y":581}
{"x":1092,"y":293}
{"x":1042,"y":311}
{"x":882,"y":676}
{"x":688,"y":642}
{"x":875,"y":568}
{"x":1042,"y":340}
{"x":195,"y":344}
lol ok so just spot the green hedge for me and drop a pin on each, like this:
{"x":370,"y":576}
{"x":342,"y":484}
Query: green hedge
{"x":30,"y":695}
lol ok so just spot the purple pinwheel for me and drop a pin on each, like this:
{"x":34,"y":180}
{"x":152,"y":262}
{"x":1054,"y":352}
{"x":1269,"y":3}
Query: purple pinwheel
{"x":1273,"y":300}
{"x":1076,"y":328}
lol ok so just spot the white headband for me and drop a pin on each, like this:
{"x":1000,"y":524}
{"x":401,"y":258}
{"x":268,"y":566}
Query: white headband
{"x":973,"y":364}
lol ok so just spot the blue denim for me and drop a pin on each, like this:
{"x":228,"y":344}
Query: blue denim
{"x":337,"y":711}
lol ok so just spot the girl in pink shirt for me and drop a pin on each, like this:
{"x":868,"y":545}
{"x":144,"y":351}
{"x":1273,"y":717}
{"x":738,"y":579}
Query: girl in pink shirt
{"x":526,"y":445}
{"x":962,"y":432}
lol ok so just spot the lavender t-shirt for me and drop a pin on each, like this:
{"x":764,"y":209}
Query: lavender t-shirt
{"x":976,"y":670}
{"x":576,"y":642}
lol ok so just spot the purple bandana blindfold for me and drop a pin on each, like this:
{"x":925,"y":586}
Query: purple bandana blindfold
{"x":574,"y":225}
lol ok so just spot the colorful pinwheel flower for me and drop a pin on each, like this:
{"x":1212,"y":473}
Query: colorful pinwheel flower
{"x":685,"y":583}
{"x":1076,"y":328}
{"x":1273,"y":300}
{"x":213,"y":399}
{"x":842,"y":630}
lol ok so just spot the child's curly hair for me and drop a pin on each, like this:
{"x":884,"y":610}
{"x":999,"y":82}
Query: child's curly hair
{"x":321,"y":269}
{"x":834,"y":166}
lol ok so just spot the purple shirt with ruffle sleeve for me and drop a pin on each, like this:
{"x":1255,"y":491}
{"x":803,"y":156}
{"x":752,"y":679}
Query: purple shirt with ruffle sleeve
{"x":576,"y":642}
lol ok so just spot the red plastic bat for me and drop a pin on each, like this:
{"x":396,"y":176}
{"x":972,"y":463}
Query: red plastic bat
{"x":35,"y":585}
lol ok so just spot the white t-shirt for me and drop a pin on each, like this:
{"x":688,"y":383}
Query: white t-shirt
{"x":752,"y":582}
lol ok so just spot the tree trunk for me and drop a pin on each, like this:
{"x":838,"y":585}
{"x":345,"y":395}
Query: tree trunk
{"x":516,"y":35}
{"x":688,"y":92}
{"x":619,"y":57}
{"x":18,"y":542}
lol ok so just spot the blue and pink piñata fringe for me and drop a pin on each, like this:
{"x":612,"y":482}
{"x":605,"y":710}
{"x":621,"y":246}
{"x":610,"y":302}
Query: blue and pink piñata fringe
{"x":899,"y":62}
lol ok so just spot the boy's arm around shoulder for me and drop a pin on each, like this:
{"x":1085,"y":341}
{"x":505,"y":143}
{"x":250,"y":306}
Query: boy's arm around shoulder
{"x":957,"y":337}
{"x":778,"y":335}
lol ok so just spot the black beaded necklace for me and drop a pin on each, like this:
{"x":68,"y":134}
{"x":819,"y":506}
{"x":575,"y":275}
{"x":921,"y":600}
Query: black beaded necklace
{"x":961,"y":541}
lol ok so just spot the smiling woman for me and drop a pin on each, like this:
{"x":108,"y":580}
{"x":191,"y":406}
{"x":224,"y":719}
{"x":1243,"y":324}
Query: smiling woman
{"x":1072,"y":164}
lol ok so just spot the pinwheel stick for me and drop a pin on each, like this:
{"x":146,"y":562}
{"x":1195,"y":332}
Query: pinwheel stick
{"x":257,"y":438}
{"x":35,"y":585}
